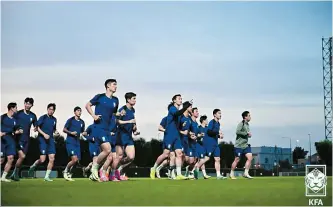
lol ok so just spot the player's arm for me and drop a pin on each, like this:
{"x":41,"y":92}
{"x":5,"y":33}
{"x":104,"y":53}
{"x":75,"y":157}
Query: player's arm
{"x":34,"y":123}
{"x":210,"y":130}
{"x":181,"y":111}
{"x":93,"y":102}
{"x":66,"y":130}
{"x":55,"y":131}
{"x":161,"y":128}
{"x":40,"y":131}
{"x":240,"y":131}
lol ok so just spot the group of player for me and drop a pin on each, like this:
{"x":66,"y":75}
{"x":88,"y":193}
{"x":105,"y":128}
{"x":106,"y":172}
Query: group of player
{"x":111,"y":135}
{"x":187,"y":142}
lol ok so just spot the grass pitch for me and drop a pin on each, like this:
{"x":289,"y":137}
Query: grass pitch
{"x":262,"y":191}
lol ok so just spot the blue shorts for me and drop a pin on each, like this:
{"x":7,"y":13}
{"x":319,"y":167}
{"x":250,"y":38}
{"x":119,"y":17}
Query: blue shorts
{"x":200,"y":151}
{"x":191,"y":151}
{"x":73,"y":149}
{"x":239,"y":151}
{"x":46,"y":146}
{"x":185,"y":147}
{"x":101,"y":136}
{"x":212,"y":150}
{"x":124,"y":140}
{"x":23,"y":145}
{"x":8,"y":145}
{"x":94,"y":149}
{"x":172,"y":143}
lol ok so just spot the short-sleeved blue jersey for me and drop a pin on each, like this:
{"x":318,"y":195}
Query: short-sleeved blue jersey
{"x":74,"y":125}
{"x":8,"y":125}
{"x":130,"y":114}
{"x":25,"y":120}
{"x":48,"y":124}
{"x":106,"y":107}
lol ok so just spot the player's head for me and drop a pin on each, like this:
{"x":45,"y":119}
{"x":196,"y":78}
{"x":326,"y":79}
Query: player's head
{"x":203,"y":120}
{"x":217,"y":114}
{"x":77,"y":111}
{"x":12,"y":107}
{"x":51,"y":109}
{"x":111,"y":85}
{"x":246,"y":116}
{"x":177,"y":100}
{"x":130,"y":98}
{"x":195,"y":112}
{"x":189,"y":109}
{"x":28,"y":103}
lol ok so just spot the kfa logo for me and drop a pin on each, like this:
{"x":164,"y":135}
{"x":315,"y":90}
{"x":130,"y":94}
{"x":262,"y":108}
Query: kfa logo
{"x":315,"y":180}
{"x":315,"y":183}
{"x":315,"y":202}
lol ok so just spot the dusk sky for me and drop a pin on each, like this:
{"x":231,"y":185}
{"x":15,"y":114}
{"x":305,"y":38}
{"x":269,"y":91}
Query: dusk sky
{"x":264,"y":57}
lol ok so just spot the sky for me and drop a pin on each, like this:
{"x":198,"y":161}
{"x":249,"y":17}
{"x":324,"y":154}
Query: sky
{"x":264,"y":57}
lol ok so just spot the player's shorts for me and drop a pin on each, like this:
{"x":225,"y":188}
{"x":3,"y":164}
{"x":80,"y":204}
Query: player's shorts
{"x":9,"y":146}
{"x":191,"y":151}
{"x":94,"y":149}
{"x":200,"y":151}
{"x":124,"y":140}
{"x":46,"y":146}
{"x":3,"y":147}
{"x":212,"y":150}
{"x":73,"y":149}
{"x":239,"y":151}
{"x":113,"y":142}
{"x":185,"y":146}
{"x":23,"y":145}
{"x":101,"y":136}
{"x":172,"y":142}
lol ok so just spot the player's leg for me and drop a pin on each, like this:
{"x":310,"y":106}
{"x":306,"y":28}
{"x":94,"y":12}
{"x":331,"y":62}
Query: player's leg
{"x":106,"y":165}
{"x":103,"y":141}
{"x":42,"y":157}
{"x":167,"y":145}
{"x":71,"y":151}
{"x":49,"y":166}
{"x":217,"y":163}
{"x":130,"y":152}
{"x":115,"y":174}
{"x":10,"y":160}
{"x":249,"y":157}
{"x":22,"y":151}
{"x":15,"y":174}
{"x":179,"y":154}
{"x":191,"y":162}
{"x":158,"y":169}
{"x":238,"y":153}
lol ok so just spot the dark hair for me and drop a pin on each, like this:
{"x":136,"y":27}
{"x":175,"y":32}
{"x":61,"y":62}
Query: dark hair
{"x":77,"y":108}
{"x":11,"y":105}
{"x":173,"y":99}
{"x":129,"y":95}
{"x":245,"y":113}
{"x":52,"y":105}
{"x":203,"y":118}
{"x":193,"y":109}
{"x":29,"y":100}
{"x":215,"y":111}
{"x":109,"y":81}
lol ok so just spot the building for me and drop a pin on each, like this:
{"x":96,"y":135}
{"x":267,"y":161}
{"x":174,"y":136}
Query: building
{"x":268,"y":157}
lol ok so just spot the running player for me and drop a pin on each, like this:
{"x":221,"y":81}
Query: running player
{"x":25,"y":118}
{"x":106,"y":106}
{"x":171,"y":139}
{"x":112,"y":156}
{"x":93,"y":149}
{"x":241,"y":145}
{"x":185,"y":125}
{"x":200,"y":149}
{"x":47,"y":128}
{"x":126,"y":127}
{"x":211,"y":141}
{"x":8,"y":145}
{"x":170,"y":160}
{"x":74,"y":128}
{"x":194,"y":132}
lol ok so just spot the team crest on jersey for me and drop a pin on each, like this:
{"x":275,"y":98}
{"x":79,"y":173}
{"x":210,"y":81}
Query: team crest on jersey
{"x":53,"y":123}
{"x":30,"y":119}
{"x":184,"y":124}
{"x":14,"y":123}
{"x":114,"y":104}
{"x":81,"y":125}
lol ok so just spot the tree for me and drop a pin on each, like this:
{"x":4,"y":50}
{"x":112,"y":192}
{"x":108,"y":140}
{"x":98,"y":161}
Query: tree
{"x":324,"y":150}
{"x":299,"y":153}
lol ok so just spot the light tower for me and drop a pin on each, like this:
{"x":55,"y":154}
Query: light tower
{"x":327,"y":81}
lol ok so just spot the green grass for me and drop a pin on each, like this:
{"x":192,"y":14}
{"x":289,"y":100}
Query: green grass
{"x":259,"y":191}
